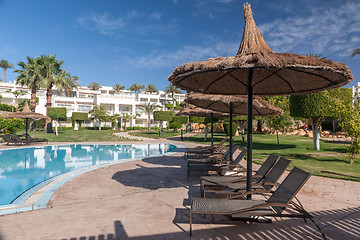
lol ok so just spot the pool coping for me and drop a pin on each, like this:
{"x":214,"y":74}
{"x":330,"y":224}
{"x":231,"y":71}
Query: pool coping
{"x":38,"y":196}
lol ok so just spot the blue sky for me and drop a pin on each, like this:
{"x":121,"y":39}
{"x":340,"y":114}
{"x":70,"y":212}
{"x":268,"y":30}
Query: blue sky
{"x":142,"y":41}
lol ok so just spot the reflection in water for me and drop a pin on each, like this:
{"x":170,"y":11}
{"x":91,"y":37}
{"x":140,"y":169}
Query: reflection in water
{"x":21,"y":169}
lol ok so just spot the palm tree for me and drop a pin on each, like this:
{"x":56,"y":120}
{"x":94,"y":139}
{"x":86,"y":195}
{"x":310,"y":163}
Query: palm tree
{"x":151,"y":89}
{"x":355,"y":52}
{"x":30,"y":75}
{"x":317,"y":56}
{"x":99,"y":113}
{"x":53,"y":75}
{"x":4,"y":64}
{"x":172,"y":89}
{"x":94,"y":86}
{"x":117,"y":88}
{"x":149,"y":109}
{"x":136,"y":87}
{"x":72,"y":83}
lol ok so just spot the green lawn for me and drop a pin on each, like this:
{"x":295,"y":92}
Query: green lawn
{"x":155,"y":134}
{"x":69,"y":135}
{"x":331,"y":161}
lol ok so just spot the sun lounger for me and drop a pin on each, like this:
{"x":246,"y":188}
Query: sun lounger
{"x":8,"y":140}
{"x":17,"y":139}
{"x":215,"y":158}
{"x":267,"y":183}
{"x":205,"y":150}
{"x":34,"y":140}
{"x":221,"y":169}
{"x":279,"y":204}
{"x":220,"y":181}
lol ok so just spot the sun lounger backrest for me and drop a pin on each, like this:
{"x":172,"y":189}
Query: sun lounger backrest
{"x":16,"y":138}
{"x":238,"y":159}
{"x":264,"y":169}
{"x":8,"y":139}
{"x":275,"y":173}
{"x":227,"y":153}
{"x":289,"y":188}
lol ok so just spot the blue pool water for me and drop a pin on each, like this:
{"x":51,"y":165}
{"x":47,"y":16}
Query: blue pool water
{"x":23,"y":168}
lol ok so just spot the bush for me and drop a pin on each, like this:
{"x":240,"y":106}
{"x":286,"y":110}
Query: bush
{"x":7,"y":108}
{"x":180,"y":119}
{"x":40,"y":123}
{"x":58,"y":114}
{"x":97,"y":128}
{"x":168,"y":105}
{"x":174,"y":125}
{"x":227,"y":128}
{"x":163,"y":115}
{"x":79,"y":116}
{"x":11,"y":125}
{"x":194,"y":119}
{"x":136,"y":128}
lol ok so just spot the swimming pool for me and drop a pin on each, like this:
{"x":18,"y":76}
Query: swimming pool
{"x":23,"y":168}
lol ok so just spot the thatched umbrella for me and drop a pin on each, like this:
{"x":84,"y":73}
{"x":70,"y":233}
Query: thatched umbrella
{"x":202,"y":112}
{"x":234,"y":104}
{"x":257,"y":70}
{"x":26,"y":113}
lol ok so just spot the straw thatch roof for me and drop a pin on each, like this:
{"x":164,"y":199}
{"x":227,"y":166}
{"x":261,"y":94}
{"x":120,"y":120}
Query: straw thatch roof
{"x":221,"y":103}
{"x":202,"y":112}
{"x":272,"y":73}
{"x":25,"y":113}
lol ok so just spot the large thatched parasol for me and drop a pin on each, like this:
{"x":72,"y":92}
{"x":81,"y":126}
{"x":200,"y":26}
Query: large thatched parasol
{"x":202,"y":112}
{"x":256,"y":69}
{"x":26,"y":113}
{"x":234,"y":104}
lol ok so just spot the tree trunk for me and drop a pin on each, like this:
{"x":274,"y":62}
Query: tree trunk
{"x":56,"y":128}
{"x":99,"y":125}
{"x":4,"y":75}
{"x":259,"y":126}
{"x":277,"y":136}
{"x":148,"y":122}
{"x":48,"y":124}
{"x":33,"y":100}
{"x":173,"y":100}
{"x":315,"y":122}
{"x":334,"y":125}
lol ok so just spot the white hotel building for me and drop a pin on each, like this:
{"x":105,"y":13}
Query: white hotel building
{"x":84,"y":99}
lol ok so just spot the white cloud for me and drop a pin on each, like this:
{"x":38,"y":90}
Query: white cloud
{"x":323,"y":31}
{"x":186,"y":54}
{"x":131,"y":21}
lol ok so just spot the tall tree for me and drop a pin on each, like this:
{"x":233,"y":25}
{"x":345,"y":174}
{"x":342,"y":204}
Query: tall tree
{"x":316,"y":107}
{"x":355,"y":52}
{"x":151,"y":88}
{"x":149,"y":109}
{"x":172,"y":89}
{"x":30,"y":75}
{"x":72,"y":83}
{"x":136,"y":88}
{"x":4,"y":64}
{"x":94,"y":86}
{"x":117,"y":88}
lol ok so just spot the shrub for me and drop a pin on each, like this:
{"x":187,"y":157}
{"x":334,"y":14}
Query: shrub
{"x":168,"y":105}
{"x":79,"y":116}
{"x":7,"y":108}
{"x":227,"y":128}
{"x":163,"y":115}
{"x":11,"y":125}
{"x":175,"y":126}
{"x":194,"y":119}
{"x":180,"y":119}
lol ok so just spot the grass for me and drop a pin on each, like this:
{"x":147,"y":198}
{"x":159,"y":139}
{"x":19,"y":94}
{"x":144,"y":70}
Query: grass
{"x":331,"y":161}
{"x":69,"y":135}
{"x":155,"y":134}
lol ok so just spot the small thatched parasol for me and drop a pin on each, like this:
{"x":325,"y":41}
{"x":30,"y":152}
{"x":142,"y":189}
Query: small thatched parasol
{"x":26,"y":113}
{"x":221,"y":103}
{"x":256,"y":69}
{"x":202,"y":112}
{"x":234,"y":104}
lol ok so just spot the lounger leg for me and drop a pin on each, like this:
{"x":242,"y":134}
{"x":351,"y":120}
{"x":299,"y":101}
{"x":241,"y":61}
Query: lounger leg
{"x":190,"y":223}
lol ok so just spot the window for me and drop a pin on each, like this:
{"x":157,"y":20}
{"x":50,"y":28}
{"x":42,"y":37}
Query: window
{"x":154,"y":100}
{"x":143,"y":99}
{"x":84,"y":108}
{"x":124,"y":109}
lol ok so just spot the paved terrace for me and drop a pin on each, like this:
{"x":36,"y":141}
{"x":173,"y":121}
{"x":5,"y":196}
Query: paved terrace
{"x":149,"y":199}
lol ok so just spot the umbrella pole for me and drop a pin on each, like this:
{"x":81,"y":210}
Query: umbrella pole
{"x":249,"y":135}
{"x":26,"y":130}
{"x":212,"y":130}
{"x":231,"y":120}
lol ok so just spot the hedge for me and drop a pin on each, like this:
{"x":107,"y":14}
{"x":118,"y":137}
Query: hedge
{"x":163,"y":115}
{"x":180,"y":119}
{"x":227,"y":128}
{"x":57,"y":113}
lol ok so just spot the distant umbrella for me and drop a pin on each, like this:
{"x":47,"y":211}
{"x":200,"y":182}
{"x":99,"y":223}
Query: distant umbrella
{"x":233,"y":104}
{"x":26,"y":113}
{"x":201,"y":112}
{"x":257,"y":70}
